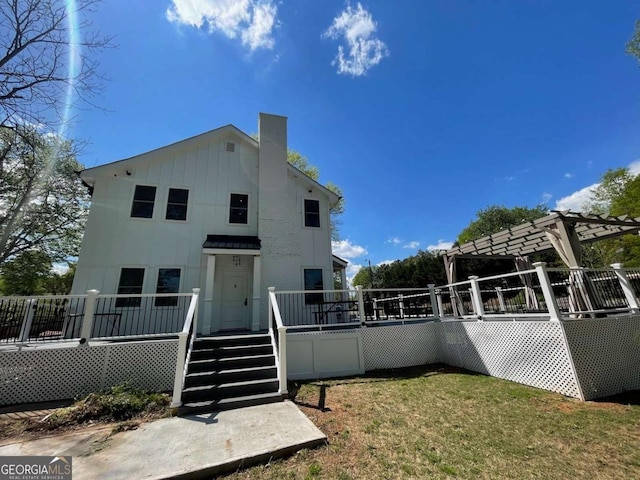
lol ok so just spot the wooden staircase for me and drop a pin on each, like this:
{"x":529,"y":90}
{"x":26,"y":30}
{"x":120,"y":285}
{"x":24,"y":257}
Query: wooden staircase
{"x":228,"y":372}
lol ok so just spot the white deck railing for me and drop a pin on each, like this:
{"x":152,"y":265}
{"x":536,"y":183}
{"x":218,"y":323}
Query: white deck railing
{"x":185,"y":347}
{"x":93,"y":316}
{"x":552,"y":294}
{"x":278,"y":333}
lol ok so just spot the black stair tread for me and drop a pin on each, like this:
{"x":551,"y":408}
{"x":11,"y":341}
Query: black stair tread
{"x":231,"y":370}
{"x":243,"y":383}
{"x":233,"y":399}
{"x":232,"y":337}
{"x":233,"y":359}
{"x":231,"y":348}
{"x":212,"y":405}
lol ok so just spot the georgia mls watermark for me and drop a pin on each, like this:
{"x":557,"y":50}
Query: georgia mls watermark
{"x":35,"y":468}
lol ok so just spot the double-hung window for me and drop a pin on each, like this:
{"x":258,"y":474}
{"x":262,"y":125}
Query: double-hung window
{"x":311,"y":213}
{"x":177,"y":203}
{"x":144,"y":199}
{"x":168,"y":282}
{"x":239,"y":208}
{"x":313,"y":281}
{"x":131,"y":280}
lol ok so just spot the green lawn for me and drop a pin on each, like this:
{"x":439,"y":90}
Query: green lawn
{"x":439,"y":422}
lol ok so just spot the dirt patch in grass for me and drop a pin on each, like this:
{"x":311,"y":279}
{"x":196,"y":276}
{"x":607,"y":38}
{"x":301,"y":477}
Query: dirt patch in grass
{"x":440,"y":422}
{"x":122,"y":408}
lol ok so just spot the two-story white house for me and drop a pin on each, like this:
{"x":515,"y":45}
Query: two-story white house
{"x":221,"y":211}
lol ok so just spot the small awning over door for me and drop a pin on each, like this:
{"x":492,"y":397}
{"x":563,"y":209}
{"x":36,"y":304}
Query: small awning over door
{"x":232,"y":242}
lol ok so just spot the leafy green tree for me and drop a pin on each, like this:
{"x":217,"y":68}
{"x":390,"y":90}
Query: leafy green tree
{"x":31,"y":273}
{"x":633,"y":46}
{"x":497,"y":218}
{"x":617,"y":194}
{"x":365,"y":277}
{"x":43,"y":204}
{"x":26,"y":273}
{"x":611,"y":186}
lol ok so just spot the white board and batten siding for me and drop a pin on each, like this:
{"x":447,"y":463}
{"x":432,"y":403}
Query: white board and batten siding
{"x":203,"y":165}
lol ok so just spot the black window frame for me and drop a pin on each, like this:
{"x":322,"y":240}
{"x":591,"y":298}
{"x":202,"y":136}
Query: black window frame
{"x":311,"y":215}
{"x":237,"y":211}
{"x":313,"y":298}
{"x":179,"y":205}
{"x":132,"y":286}
{"x":167,"y":288}
{"x":142,"y":200}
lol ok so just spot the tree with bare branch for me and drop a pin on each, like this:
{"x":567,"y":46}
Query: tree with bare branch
{"x":47,"y":60}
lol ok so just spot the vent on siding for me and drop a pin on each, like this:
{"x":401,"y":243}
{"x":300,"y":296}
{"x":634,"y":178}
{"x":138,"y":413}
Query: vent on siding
{"x":231,"y":147}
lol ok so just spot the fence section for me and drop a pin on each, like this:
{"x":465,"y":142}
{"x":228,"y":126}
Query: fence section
{"x":40,"y":319}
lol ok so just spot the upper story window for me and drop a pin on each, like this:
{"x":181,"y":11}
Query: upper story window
{"x":177,"y":204}
{"x":144,"y":198}
{"x":131,"y":280}
{"x":311,"y":213}
{"x":168,"y":282}
{"x":239,"y":208}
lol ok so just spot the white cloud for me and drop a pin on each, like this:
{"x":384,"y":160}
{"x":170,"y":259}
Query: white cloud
{"x":576,"y":200}
{"x":345,"y":249}
{"x":546,"y":196}
{"x":441,"y":245}
{"x":394,"y":240}
{"x":357,"y":28}
{"x":352,"y":271}
{"x":252,"y":20}
{"x":412,"y":244}
{"x":568,"y":175}
{"x":634,"y":167}
{"x":385,"y":262}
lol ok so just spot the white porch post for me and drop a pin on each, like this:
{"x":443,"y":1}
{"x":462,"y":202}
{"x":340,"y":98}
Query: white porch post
{"x":360,"y":304}
{"x":476,"y":297}
{"x":208,"y":294}
{"x":434,"y":302}
{"x":87,"y":320}
{"x":549,"y":297}
{"x":255,"y":314}
{"x":627,"y":288}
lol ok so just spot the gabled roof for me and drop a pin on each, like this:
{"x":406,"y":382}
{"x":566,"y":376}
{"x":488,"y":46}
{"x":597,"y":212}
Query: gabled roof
{"x":89,"y":173}
{"x":339,"y":262}
{"x":532,"y":237}
{"x":333,"y":198}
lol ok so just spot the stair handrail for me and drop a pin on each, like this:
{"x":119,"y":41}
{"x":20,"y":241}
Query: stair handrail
{"x":185,"y":336}
{"x":279,"y":341}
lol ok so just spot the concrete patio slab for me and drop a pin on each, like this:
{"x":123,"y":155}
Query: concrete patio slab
{"x":197,"y":446}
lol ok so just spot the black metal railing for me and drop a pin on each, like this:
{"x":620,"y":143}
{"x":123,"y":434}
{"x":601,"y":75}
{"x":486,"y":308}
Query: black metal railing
{"x":139,"y":315}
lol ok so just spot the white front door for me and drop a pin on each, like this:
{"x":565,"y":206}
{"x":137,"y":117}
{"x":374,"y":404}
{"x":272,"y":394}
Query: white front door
{"x":235,"y":307}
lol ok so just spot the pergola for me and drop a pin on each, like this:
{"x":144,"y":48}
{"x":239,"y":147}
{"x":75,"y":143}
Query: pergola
{"x":562,"y":231}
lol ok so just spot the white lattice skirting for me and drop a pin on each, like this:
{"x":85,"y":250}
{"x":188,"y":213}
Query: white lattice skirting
{"x":400,"y":346}
{"x":585,"y":359}
{"x":532,"y":353}
{"x":61,"y":373}
{"x":606,"y":354}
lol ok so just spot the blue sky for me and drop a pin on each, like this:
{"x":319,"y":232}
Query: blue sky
{"x":424,"y":112}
